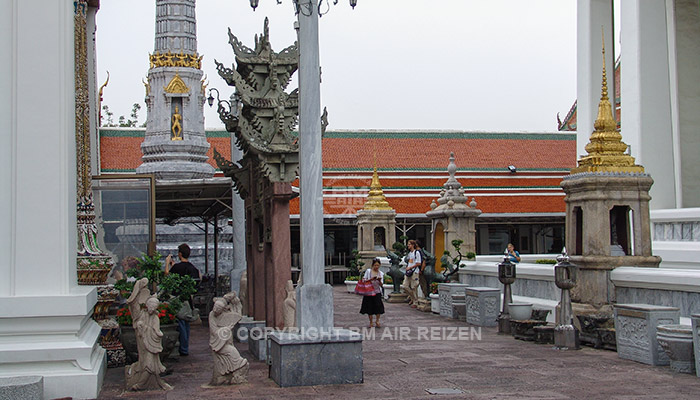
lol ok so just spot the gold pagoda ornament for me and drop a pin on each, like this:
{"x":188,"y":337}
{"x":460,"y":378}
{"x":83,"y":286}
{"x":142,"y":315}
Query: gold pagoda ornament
{"x":376,"y":199}
{"x":606,"y":150}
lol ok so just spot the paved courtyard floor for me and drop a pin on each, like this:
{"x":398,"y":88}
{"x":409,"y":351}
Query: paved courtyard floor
{"x":490,"y":367}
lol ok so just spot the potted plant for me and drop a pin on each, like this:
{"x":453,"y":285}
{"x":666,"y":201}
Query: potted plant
{"x":388,"y":285}
{"x":353,"y":271}
{"x":171,"y":289}
{"x":434,"y":298}
{"x":351,"y":282}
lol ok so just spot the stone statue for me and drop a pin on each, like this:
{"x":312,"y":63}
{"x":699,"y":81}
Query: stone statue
{"x":395,"y":271}
{"x":429,"y":271}
{"x":289,"y":307}
{"x":145,"y":373}
{"x":177,"y":128}
{"x":243,"y":292}
{"x":229,"y":367}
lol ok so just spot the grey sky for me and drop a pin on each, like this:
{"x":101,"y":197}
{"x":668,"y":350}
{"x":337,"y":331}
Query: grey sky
{"x":495,"y":65}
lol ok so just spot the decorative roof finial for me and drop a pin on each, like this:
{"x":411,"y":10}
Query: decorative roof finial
{"x":606,"y":150}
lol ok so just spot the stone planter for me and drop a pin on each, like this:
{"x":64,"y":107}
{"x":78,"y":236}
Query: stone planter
{"x":350,"y":286}
{"x":520,"y":311}
{"x":387,"y":289}
{"x":127,"y":335}
{"x":677,"y":342}
{"x":435,"y":303}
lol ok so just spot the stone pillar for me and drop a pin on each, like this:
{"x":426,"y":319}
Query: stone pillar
{"x":314,"y":297}
{"x":687,"y":84}
{"x":278,"y":256}
{"x":646,"y":94}
{"x":591,"y":16}
{"x":45,"y":321}
{"x":238,"y":211}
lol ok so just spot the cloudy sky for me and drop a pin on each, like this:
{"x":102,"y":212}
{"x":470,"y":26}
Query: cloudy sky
{"x":495,"y":65}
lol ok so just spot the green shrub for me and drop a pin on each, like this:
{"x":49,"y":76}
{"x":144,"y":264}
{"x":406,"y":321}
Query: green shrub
{"x":545,"y":261}
{"x":353,"y":278}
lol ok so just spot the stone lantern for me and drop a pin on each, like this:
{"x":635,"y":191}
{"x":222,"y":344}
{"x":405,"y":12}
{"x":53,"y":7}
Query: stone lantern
{"x":506,"y":275}
{"x":565,"y":334}
{"x":376,"y":224}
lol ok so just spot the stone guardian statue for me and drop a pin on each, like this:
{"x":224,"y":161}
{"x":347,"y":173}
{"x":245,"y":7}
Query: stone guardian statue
{"x":289,"y":307}
{"x":145,"y":373}
{"x":229,"y":367}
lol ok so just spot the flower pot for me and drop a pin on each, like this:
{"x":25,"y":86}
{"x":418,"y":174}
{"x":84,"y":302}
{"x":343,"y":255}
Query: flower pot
{"x":350,"y":285}
{"x":435,"y":303}
{"x":520,"y":311}
{"x":127,"y":336}
{"x":387,"y":289}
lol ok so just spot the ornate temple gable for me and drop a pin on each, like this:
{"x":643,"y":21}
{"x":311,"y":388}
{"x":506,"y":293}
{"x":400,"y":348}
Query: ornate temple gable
{"x":268,"y":114}
{"x":176,"y":85}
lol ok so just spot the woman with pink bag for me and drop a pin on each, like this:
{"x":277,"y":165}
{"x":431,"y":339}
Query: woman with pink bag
{"x":372,"y":304}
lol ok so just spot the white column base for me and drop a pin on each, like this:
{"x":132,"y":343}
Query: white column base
{"x":53,"y":337}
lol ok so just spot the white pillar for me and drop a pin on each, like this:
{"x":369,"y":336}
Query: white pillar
{"x":646,"y":95}
{"x":45,"y":327}
{"x":687,"y":117}
{"x":592,"y":17}
{"x":315,"y":299}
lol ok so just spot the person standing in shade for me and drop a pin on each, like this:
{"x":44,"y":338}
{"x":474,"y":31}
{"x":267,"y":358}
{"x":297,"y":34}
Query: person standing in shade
{"x":512,"y":254}
{"x":184,"y":267}
{"x":372,"y":305}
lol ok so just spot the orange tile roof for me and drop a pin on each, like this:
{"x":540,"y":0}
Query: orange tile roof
{"x":412,"y":167}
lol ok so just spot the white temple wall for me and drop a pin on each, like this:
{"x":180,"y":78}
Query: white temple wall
{"x":45,"y":327}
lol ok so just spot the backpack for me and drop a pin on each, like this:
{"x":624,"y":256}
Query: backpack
{"x":423,"y":258}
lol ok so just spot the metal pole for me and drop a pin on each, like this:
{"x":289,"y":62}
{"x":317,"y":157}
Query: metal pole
{"x":216,"y":254}
{"x":206,"y":246}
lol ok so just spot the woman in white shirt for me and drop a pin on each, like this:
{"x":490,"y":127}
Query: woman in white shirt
{"x":372,"y":305}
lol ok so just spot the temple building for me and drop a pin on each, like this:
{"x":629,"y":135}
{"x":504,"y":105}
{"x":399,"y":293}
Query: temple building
{"x":518,"y":191}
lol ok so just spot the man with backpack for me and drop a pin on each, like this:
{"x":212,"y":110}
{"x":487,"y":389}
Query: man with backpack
{"x":422,"y":281}
{"x":413,"y":266}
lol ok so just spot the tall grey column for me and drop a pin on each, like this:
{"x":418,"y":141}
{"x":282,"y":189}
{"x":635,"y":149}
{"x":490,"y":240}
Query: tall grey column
{"x":238,"y":206}
{"x":591,"y":16}
{"x":646,"y":94}
{"x":315,"y":299}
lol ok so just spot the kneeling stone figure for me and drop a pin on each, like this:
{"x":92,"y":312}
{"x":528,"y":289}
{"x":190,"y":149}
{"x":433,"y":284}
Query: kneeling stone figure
{"x":229,"y":367}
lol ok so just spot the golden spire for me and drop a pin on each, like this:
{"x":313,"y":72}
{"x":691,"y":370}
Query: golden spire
{"x":606,"y":150}
{"x":376,"y":199}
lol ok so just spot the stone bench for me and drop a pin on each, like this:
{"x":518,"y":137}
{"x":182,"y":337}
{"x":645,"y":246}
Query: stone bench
{"x":483,"y":304}
{"x":445,"y":291}
{"x":22,"y":387}
{"x":635,"y":331}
